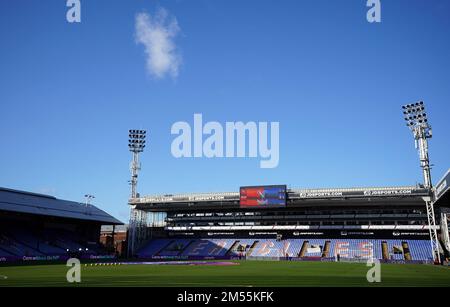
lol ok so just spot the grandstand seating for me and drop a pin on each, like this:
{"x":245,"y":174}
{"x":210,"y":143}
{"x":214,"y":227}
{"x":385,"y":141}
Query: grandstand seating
{"x":295,"y":247}
{"x":356,"y":248}
{"x":345,"y":248}
{"x":209,"y":247}
{"x":37,"y":227}
{"x":420,"y":249}
{"x":21,"y":241}
{"x":395,"y":249}
{"x":241,"y":247}
{"x":28,"y":238}
{"x":153,"y":248}
{"x":15,"y":248}
{"x":65,"y":240}
{"x":314,"y":243}
{"x":175,"y":248}
{"x":4,"y":253}
{"x":270,"y":248}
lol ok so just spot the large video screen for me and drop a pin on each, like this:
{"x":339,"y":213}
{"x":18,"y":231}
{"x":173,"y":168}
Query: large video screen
{"x":263,"y":196}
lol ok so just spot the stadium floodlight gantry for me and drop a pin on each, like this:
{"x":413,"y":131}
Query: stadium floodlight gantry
{"x":138,"y":218}
{"x":88,"y":198}
{"x":417,"y":121}
{"x":136,"y":144}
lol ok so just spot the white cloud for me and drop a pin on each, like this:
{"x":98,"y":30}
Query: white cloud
{"x":157,"y":34}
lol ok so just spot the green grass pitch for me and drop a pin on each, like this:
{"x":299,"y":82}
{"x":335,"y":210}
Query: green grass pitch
{"x":247,"y":273}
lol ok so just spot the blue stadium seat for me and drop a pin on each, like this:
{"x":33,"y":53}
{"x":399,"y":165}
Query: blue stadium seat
{"x":346,"y":248}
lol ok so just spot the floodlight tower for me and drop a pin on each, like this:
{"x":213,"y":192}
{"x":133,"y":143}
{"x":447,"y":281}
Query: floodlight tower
{"x":417,"y":121}
{"x":136,"y":145}
{"x":88,"y":198}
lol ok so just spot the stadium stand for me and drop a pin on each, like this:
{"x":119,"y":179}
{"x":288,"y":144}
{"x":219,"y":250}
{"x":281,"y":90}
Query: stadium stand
{"x":386,"y":223}
{"x":420,"y":250}
{"x":209,"y":248}
{"x":37,"y":225}
{"x":153,"y":248}
{"x":355,"y":248}
{"x":269,"y":248}
{"x":295,"y":247}
{"x":346,"y":249}
{"x":174,"y":248}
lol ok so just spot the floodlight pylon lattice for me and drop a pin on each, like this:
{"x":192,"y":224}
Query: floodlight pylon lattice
{"x":138,"y":218}
{"x":445,"y":217}
{"x":417,"y":121}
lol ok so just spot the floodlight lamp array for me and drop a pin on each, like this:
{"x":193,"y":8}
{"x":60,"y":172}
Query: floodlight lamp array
{"x":136,"y":142}
{"x":415,"y":115}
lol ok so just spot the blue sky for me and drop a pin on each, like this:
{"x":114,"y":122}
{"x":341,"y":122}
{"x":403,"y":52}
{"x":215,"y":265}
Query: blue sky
{"x":70,"y":92}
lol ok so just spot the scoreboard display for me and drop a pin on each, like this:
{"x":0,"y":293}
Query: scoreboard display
{"x":263,"y":196}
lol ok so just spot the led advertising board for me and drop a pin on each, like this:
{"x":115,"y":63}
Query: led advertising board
{"x":263,"y":196}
